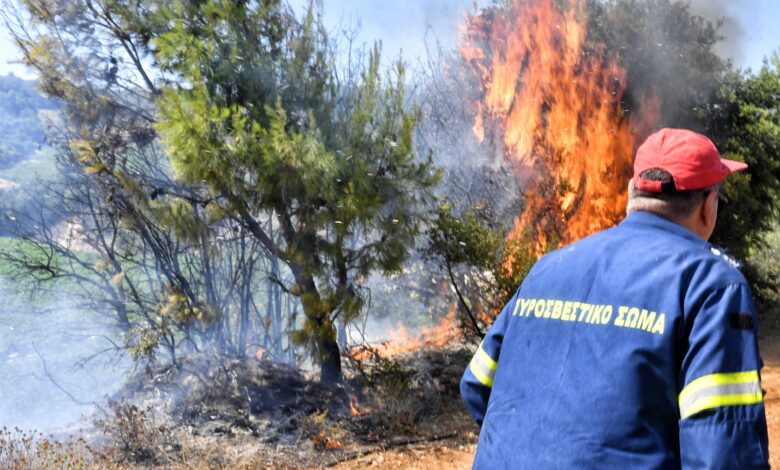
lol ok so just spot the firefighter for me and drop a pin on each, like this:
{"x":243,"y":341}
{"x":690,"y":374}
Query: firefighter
{"x":635,"y":347}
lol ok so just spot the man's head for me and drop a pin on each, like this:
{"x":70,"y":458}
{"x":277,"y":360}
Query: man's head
{"x":677,"y":174}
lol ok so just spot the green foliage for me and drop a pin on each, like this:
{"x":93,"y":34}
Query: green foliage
{"x":177,"y":307}
{"x":261,"y":117}
{"x":745,"y":125}
{"x":517,"y":258}
{"x":465,"y":239}
{"x":179,"y":216}
{"x":495,"y":266}
{"x":277,"y":156}
{"x":171,"y":260}
{"x":142,"y":343}
{"x":765,"y":261}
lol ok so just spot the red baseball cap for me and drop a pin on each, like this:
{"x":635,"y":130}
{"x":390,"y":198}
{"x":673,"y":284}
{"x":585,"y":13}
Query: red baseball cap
{"x":691,"y":159}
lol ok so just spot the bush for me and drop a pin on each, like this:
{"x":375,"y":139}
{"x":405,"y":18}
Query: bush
{"x":764,"y":266}
{"x":135,"y":436}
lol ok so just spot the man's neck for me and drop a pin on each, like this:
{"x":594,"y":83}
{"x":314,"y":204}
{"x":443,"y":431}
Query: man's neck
{"x":687,"y":223}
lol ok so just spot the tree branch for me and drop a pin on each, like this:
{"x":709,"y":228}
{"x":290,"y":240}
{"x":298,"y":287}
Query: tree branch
{"x":56,"y":384}
{"x":462,"y":299}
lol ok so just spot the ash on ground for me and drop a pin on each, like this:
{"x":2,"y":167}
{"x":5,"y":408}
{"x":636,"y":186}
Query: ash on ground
{"x":228,"y":412}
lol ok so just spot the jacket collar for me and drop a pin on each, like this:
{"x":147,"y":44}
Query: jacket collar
{"x":648,"y":219}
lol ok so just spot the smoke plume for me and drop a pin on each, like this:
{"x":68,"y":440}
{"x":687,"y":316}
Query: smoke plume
{"x":732,"y":28}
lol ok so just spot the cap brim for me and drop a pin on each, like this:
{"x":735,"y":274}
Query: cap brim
{"x":733,"y":165}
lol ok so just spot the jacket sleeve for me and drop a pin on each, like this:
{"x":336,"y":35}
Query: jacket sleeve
{"x":722,"y":418}
{"x":477,"y":381}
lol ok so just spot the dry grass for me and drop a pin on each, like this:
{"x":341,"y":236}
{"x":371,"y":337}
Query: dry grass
{"x":134,"y":435}
{"x":20,"y":450}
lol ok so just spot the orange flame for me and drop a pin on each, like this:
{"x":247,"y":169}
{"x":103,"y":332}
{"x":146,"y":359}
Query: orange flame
{"x":323,"y":441}
{"x":260,"y":353}
{"x":558,"y":107}
{"x":355,"y":408}
{"x":401,"y":341}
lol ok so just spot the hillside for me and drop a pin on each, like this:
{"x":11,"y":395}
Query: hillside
{"x":21,"y":129}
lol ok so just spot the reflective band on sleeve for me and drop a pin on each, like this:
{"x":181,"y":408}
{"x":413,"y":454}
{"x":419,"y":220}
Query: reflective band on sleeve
{"x":716,"y":390}
{"x":483,"y":367}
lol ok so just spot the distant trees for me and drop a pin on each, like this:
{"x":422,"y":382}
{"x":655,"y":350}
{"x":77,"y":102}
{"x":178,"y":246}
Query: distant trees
{"x":668,"y":53}
{"x":743,"y":119}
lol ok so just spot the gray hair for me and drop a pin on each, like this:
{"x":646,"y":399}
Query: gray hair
{"x":670,"y":204}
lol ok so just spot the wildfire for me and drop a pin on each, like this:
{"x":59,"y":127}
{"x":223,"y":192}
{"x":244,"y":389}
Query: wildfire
{"x":260,"y":353}
{"x":400,"y":340}
{"x":355,"y":407}
{"x":558,"y":109}
{"x":323,"y":441}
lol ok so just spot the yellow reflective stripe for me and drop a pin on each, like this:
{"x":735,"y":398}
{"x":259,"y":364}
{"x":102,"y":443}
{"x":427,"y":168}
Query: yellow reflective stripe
{"x":483,"y":378}
{"x":483,"y":367}
{"x":485,"y":359}
{"x":716,"y":390}
{"x":718,"y":379}
{"x":716,"y":401}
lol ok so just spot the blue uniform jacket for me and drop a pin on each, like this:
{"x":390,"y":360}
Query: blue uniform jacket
{"x":633,"y":348}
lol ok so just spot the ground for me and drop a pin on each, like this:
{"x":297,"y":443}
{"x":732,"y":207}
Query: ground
{"x":293,"y":425}
{"x":459,"y":453}
{"x":770,"y":380}
{"x":445,"y":456}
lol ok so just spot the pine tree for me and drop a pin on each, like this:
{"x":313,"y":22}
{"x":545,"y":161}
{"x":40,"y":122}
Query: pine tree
{"x":260,"y":114}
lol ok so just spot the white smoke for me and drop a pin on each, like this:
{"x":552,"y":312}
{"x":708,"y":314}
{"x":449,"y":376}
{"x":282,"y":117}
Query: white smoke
{"x":56,"y":364}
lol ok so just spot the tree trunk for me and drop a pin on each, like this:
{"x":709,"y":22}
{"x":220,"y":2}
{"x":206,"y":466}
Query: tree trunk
{"x":342,"y":332}
{"x":275,"y":302}
{"x":329,"y":356}
{"x":314,"y":308}
{"x":316,"y":311}
{"x":292,"y":317}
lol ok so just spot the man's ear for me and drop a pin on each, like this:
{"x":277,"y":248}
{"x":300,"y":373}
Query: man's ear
{"x":709,"y":209}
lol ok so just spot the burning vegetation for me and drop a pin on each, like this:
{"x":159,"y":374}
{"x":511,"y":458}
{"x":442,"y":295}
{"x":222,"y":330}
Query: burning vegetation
{"x":240,"y":206}
{"x":274,"y":416}
{"x":400,"y":340}
{"x":558,"y":107}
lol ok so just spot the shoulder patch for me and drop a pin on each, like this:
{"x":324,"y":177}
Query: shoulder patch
{"x":741,"y":321}
{"x":721,"y":253}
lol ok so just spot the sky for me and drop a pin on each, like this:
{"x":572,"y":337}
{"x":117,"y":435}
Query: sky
{"x":404,"y":25}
